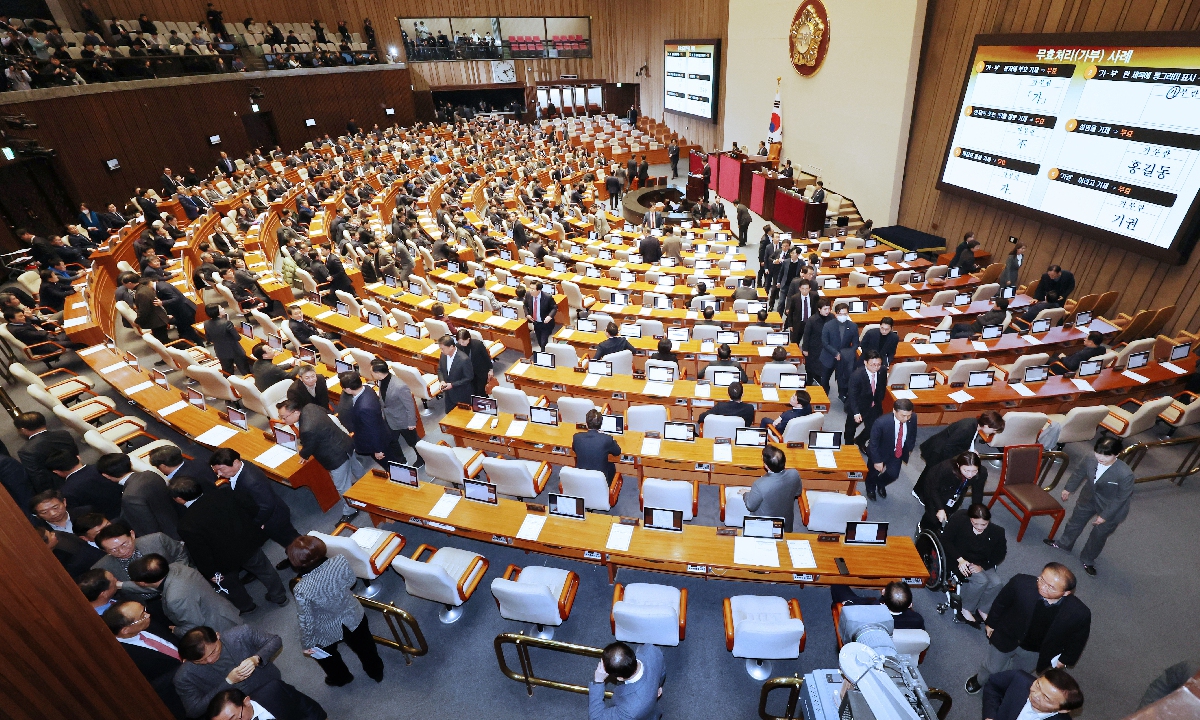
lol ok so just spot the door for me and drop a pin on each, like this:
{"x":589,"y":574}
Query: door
{"x":619,"y":98}
{"x":260,"y":129}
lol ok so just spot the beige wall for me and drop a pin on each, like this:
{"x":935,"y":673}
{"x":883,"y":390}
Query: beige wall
{"x":851,"y":119}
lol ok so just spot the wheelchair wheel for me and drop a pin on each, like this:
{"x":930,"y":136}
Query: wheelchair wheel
{"x":929,"y":547}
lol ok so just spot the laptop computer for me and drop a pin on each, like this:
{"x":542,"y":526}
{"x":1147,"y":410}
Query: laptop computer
{"x":566,"y":506}
{"x":662,"y":519}
{"x":866,"y":533}
{"x":770,"y":528}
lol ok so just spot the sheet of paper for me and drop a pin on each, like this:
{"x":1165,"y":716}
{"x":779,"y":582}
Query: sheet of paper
{"x":518,"y":369}
{"x":801,"y":554}
{"x":743,"y":317}
{"x":904,"y":395}
{"x":1082,"y":384}
{"x":275,"y":457}
{"x":914,"y":314}
{"x":1022,"y":390}
{"x":76,"y":306}
{"x":477,"y":420}
{"x":531,"y":527}
{"x":619,"y":537}
{"x":566,"y":333}
{"x":114,"y":367}
{"x":691,"y":315}
{"x":881,"y":290}
{"x":703,"y":391}
{"x":825,"y":459}
{"x":173,"y":407}
{"x":979,"y":345}
{"x":75,"y":321}
{"x":770,"y":394}
{"x":444,"y":505}
{"x":591,"y":380}
{"x":1031,"y":340}
{"x":766,"y":350}
{"x":651,"y":446}
{"x":214,"y":436}
{"x":953,"y":311}
{"x":926,"y":348}
{"x":762,"y":552}
{"x":461,"y":313}
{"x":908,"y":287}
{"x":325,"y":314}
{"x":658,"y":389}
{"x":722,"y":452}
{"x":89,"y":351}
{"x":495,"y":320}
{"x":515,"y":429}
{"x":139,"y":387}
{"x":961,"y":396}
{"x":1173,"y":368}
{"x":1140,"y":379}
{"x":393,"y":337}
{"x":364,"y":329}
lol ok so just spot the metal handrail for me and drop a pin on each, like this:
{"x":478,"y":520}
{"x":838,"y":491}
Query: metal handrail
{"x":795,"y":683}
{"x":1190,"y":465}
{"x":399,"y":622}
{"x":526,"y":674}
{"x":1057,"y":459}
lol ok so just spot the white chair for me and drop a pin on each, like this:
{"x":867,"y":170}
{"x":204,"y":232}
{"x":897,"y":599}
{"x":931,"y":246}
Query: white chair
{"x":212,"y":382}
{"x":1128,"y":349}
{"x":576,"y":300}
{"x":437,"y":328}
{"x":1176,"y":414}
{"x":575,"y":410}
{"x":417,"y":383}
{"x":326,"y":350}
{"x":119,"y":431}
{"x":265,"y":322}
{"x":622,"y":362}
{"x":962,"y":370}
{"x":449,"y":576}
{"x":590,"y":485}
{"x":823,"y":511}
{"x":761,"y":629}
{"x":514,"y":402}
{"x":986,"y":291}
{"x":668,"y":364}
{"x":1122,"y":423}
{"x":682,"y":495}
{"x":651,"y":328}
{"x":537,"y":594}
{"x":1015,"y":371}
{"x":723,"y":426}
{"x":647,"y":613}
{"x":1020,"y":428}
{"x":646,"y":418}
{"x":368,"y":550}
{"x":771,"y":372}
{"x":756,"y":333}
{"x":733,"y":505}
{"x":450,"y":464}
{"x":895,"y":302}
{"x":705,"y":332}
{"x":517,"y":478}
{"x":363,"y":360}
{"x":937,"y":272}
{"x":276,"y":394}
{"x":63,"y":391}
{"x":901,"y":371}
{"x":564,"y":354}
{"x":251,"y":398}
{"x":797,"y":429}
{"x":1079,"y":424}
{"x":941,"y":297}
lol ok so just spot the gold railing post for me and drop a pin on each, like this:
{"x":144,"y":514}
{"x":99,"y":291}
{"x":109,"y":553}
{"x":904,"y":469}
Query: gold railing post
{"x":526,"y":675}
{"x":1133,"y":456}
{"x":399,"y":621}
{"x":793,"y":684}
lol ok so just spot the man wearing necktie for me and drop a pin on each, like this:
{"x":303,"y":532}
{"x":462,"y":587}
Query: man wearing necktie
{"x":150,"y":647}
{"x":892,"y":439}
{"x":865,"y":398}
{"x":541,"y":308}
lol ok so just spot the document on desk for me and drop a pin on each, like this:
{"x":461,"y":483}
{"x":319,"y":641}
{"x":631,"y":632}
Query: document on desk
{"x":926,"y":348}
{"x":393,"y":337}
{"x":619,"y":536}
{"x":518,"y":369}
{"x":979,"y":345}
{"x":914,"y":314}
{"x":495,"y":320}
{"x":763,"y":552}
{"x":515,"y":429}
{"x":659,"y":389}
{"x":363,"y":329}
{"x":904,"y":395}
{"x":214,"y":436}
{"x":1173,"y":368}
{"x":275,"y":457}
{"x":743,"y":317}
{"x":1031,"y":340}
{"x":432,"y":349}
{"x":1022,"y":390}
{"x":477,"y":420}
{"x":770,"y":394}
{"x":566,"y":333}
{"x":75,"y":321}
{"x":691,"y":315}
{"x":881,"y":290}
{"x":325,"y":314}
{"x":801,"y":554}
{"x":961,"y":397}
{"x":907,"y":287}
{"x":591,"y":380}
{"x":461,"y":313}
{"x":826,"y":459}
{"x":89,"y":351}
{"x":531,"y":527}
{"x":173,"y":407}
{"x":139,"y":387}
{"x":114,"y":367}
{"x":1083,"y":385}
{"x":766,"y":350}
{"x":722,"y":452}
{"x":1140,"y":379}
{"x":442,"y":508}
{"x":651,"y":446}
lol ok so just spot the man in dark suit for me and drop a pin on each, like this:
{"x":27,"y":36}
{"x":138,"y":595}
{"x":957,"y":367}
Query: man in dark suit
{"x":839,"y":343}
{"x":361,"y":412}
{"x":883,"y":340}
{"x":743,"y":220}
{"x":151,"y":647}
{"x":673,"y":156}
{"x":169,"y":461}
{"x":84,"y":485}
{"x":782,"y":274}
{"x":309,"y":388}
{"x":481,"y":360}
{"x":322,"y":439}
{"x":818,"y":195}
{"x":896,"y":596}
{"x":540,"y":308}
{"x":75,"y":555}
{"x":892,"y":439}
{"x":643,"y":173}
{"x":1105,"y":487}
{"x":1053,"y":289}
{"x":272,"y":516}
{"x":614,"y":343}
{"x":1014,"y":694}
{"x":613,"y":185}
{"x":864,"y":401}
{"x":225,"y":165}
{"x":145,"y":503}
{"x":768,"y":249}
{"x":733,"y":407}
{"x":774,"y":494}
{"x":593,"y":449}
{"x":40,"y":444}
{"x":706,"y":174}
{"x":190,"y":207}
{"x":631,"y":171}
{"x":181,"y":310}
{"x":223,"y":539}
{"x":456,"y":373}
{"x":650,"y":248}
{"x":147,"y":205}
{"x":226,"y":341}
{"x":1034,"y":622}
{"x":958,"y":437}
{"x":15,"y":480}
{"x":1093,"y":346}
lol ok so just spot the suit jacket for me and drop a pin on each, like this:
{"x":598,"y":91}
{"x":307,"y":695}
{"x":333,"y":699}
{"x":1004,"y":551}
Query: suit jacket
{"x":319,"y":397}
{"x":592,"y":449}
{"x":637,"y":701}
{"x":363,"y":416}
{"x":612,"y":345}
{"x":157,"y":543}
{"x":33,"y":456}
{"x":225,"y":338}
{"x":1072,"y":361}
{"x":399,"y":405}
{"x":549,"y":308}
{"x":1013,"y":610}
{"x":671,"y":247}
{"x":481,"y":360}
{"x":1110,"y":495}
{"x":321,"y":438}
{"x":15,"y":480}
{"x":885,"y":345}
{"x":176,"y":303}
{"x":907,"y":619}
{"x":731,"y":408}
{"x":87,"y":486}
{"x":650,"y":249}
{"x":147,"y":506}
{"x":76,"y":555}
{"x":190,"y":601}
{"x":774,"y":495}
{"x":818,"y":195}
{"x":197,"y":470}
{"x":812,"y":341}
{"x":158,"y":668}
{"x":1011,"y":270}
{"x":837,"y":337}
{"x":190,"y":208}
{"x":882,"y":448}
{"x":197,"y":684}
{"x":949,"y":441}
{"x":860,"y":398}
{"x":939,"y":486}
{"x":272,"y":512}
{"x":1005,"y":695}
{"x":460,"y":377}
{"x":219,"y":531}
{"x":266,"y":374}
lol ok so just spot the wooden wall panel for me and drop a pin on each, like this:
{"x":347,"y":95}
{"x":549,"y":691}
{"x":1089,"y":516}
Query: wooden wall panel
{"x":626,"y":34}
{"x":149,"y":127}
{"x":1097,"y":266}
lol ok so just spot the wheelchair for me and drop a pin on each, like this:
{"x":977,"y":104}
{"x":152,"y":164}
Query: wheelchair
{"x":942,"y":577}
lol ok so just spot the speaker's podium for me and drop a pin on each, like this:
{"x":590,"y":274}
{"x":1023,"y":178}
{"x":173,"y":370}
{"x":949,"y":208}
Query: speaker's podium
{"x":762,"y":191}
{"x":794,"y":213}
{"x":733,"y":178}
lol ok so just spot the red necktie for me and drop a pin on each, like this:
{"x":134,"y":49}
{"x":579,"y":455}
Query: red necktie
{"x":872,"y":377}
{"x":900,"y":440}
{"x":537,"y":308}
{"x":162,"y":647}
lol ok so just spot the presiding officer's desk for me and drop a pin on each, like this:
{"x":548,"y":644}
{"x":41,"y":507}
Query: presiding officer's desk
{"x":698,"y":551}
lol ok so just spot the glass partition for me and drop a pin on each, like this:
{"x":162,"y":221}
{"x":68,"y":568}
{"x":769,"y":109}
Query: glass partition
{"x":480,"y":38}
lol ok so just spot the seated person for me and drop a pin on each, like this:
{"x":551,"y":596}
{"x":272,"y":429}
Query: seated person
{"x":745,"y":291}
{"x":995,"y":316}
{"x":896,"y":596}
{"x":302,"y":329}
{"x":975,"y":547}
{"x":614,"y":343}
{"x":762,"y":319}
{"x":266,"y":373}
{"x":774,"y":494}
{"x":664,"y":352}
{"x":724,"y":359}
{"x":708,"y":314}
{"x":27,"y":331}
{"x":801,"y":404}
{"x":733,"y":407}
{"x":593,"y":449}
{"x":438,"y":312}
{"x":1093,"y":346}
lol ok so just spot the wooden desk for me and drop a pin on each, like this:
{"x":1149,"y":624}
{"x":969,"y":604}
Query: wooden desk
{"x":512,"y":333}
{"x":692,"y":358}
{"x":697,"y":551}
{"x":1009,"y":345}
{"x":763,"y":185}
{"x":924,"y":291}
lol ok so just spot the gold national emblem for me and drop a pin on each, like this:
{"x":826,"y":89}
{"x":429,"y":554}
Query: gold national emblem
{"x":808,"y":39}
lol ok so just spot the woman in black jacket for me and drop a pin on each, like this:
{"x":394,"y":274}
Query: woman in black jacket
{"x":974,"y":547}
{"x":946,"y":486}
{"x":811,"y":344}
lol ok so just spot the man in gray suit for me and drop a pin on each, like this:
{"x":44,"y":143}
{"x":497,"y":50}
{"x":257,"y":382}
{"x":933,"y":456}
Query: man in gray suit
{"x":638,"y":680}
{"x":321,"y":438}
{"x":145,"y":503}
{"x":399,"y":410}
{"x":122,"y":546}
{"x":455,"y":372}
{"x":1107,"y":488}
{"x":774,"y":494}
{"x":187,"y":598}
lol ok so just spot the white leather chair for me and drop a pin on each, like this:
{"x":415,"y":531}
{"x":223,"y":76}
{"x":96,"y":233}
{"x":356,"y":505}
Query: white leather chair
{"x":1122,"y":423}
{"x":651,"y":328}
{"x":1177,"y":414}
{"x":823,"y":511}
{"x":622,"y":362}
{"x":517,"y":478}
{"x":564,"y":355}
{"x":1130,"y":348}
{"x":448,"y":576}
{"x":1079,"y":424}
{"x":590,"y":485}
{"x":63,"y":390}
{"x":733,"y":505}
{"x":417,"y":383}
{"x":276,"y":394}
{"x":1020,"y":428}
{"x":450,"y":464}
{"x":576,"y":300}
{"x":436,"y":328}
{"x":761,"y":629}
{"x":646,"y":418}
{"x":705,"y":332}
{"x":900,"y":372}
{"x":362,"y":359}
{"x":575,"y":410}
{"x":962,"y":370}
{"x":265,"y":322}
{"x":937,"y":272}
{"x":119,"y":431}
{"x":514,"y":402}
{"x":368,"y":550}
{"x":770,"y":373}
{"x":251,"y":398}
{"x":756,"y":333}
{"x":212,"y":382}
{"x":669,"y":364}
{"x":722,"y":426}
{"x":797,"y":429}
{"x":941,"y":297}
{"x":1015,"y":371}
{"x":895,"y":302}
{"x":682,"y":495}
{"x":536,"y":594}
{"x":986,"y":291}
{"x":648,"y":613}
{"x":326,"y":350}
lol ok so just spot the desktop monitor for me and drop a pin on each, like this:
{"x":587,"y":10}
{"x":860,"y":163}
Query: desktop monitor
{"x":452,"y":266}
{"x":955,"y":272}
{"x":1008,"y":293}
{"x":725,"y":378}
{"x":660,"y":374}
{"x":612,"y":424}
{"x":821,"y":440}
{"x":585,"y":325}
{"x":566,"y":506}
{"x":729,"y":337}
{"x":1083,"y":319}
{"x":921,"y":381}
{"x":543,"y":416}
{"x":307,"y":354}
{"x":981,"y":378}
{"x":962,"y":299}
{"x":444,"y":297}
{"x":1036,"y":373}
{"x":879,"y":260}
{"x":342,"y":308}
{"x":831,"y":284}
{"x":662,"y":519}
{"x":1179,"y":352}
{"x":342,"y":366}
{"x":939,"y":336}
{"x":391,"y":281}
{"x":474,"y":304}
{"x":991,"y":332}
{"x":402,"y":474}
{"x":543,"y":360}
{"x":160,"y":378}
{"x":678,"y":334}
{"x":910,"y":304}
{"x":750,"y":437}
{"x":684,"y":432}
{"x":1040,"y":326}
{"x":482,"y":492}
{"x":412,"y":331}
{"x":1088,"y":368}
{"x":1138,"y":360}
{"x":665,"y":281}
{"x":845,"y":263}
{"x":777,"y":338}
{"x":374,"y":319}
{"x":505,"y":255}
{"x":599,"y":367}
{"x":753,"y":306}
{"x":792,"y":381}
{"x":662,"y":302}
{"x":770,"y":528}
{"x":484,"y":405}
{"x":508,"y":313}
{"x":866,"y":533}
{"x":560,"y":267}
{"x":247,"y":329}
{"x":910,"y":256}
{"x":416,"y":288}
{"x":196,"y":398}
{"x":274,"y":341}
{"x":630,"y":330}
{"x":874,"y":281}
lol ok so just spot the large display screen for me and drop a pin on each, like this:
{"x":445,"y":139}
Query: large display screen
{"x":1095,"y":133}
{"x":692,"y":70}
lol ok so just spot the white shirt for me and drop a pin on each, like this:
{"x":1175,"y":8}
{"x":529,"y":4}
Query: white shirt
{"x":137,"y":640}
{"x":260,"y":712}
{"x":233,"y":480}
{"x":1100,"y":468}
{"x":450,"y":361}
{"x":1028,"y":713}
